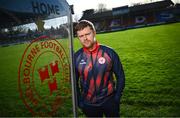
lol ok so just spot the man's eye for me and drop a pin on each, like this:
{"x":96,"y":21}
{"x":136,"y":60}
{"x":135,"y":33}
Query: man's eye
{"x":88,"y":34}
{"x":81,"y":36}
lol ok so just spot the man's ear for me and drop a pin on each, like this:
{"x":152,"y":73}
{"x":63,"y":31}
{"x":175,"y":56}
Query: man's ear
{"x":94,"y":33}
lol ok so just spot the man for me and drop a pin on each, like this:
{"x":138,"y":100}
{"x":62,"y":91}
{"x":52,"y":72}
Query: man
{"x":98,"y":93}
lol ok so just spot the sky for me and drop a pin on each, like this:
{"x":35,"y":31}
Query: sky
{"x":81,"y":5}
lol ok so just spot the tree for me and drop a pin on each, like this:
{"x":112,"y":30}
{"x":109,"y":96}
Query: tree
{"x":76,"y":18}
{"x":101,"y":7}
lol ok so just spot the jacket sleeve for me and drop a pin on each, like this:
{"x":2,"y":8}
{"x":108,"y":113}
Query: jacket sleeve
{"x":77,"y":83}
{"x":120,"y":77}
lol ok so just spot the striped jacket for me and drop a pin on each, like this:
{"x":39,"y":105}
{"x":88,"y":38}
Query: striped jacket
{"x":94,"y":75}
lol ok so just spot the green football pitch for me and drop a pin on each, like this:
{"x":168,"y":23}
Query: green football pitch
{"x":151,"y":61}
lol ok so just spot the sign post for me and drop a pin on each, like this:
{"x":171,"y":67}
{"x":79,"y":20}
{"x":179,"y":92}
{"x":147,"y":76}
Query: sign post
{"x":73,"y":80}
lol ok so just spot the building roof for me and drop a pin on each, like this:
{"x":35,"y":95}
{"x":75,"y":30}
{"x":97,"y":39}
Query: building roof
{"x":92,"y":15}
{"x":96,"y":15}
{"x":152,"y":6}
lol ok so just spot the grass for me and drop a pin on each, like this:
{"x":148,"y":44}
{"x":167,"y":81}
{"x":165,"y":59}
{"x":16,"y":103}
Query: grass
{"x":150,"y":57}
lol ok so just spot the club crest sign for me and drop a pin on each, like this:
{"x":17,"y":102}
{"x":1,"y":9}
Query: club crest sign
{"x":44,"y":76}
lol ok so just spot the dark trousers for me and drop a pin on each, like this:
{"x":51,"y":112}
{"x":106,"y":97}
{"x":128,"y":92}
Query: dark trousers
{"x":108,"y":108}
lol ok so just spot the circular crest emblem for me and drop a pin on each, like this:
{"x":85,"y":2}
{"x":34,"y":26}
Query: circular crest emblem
{"x":101,"y":60}
{"x":44,"y":74}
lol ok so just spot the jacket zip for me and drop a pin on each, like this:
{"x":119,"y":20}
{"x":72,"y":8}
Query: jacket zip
{"x":93,"y":73}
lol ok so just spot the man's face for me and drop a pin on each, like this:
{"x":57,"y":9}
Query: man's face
{"x":87,"y":37}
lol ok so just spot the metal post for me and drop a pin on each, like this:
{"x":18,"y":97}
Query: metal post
{"x":73,"y":79}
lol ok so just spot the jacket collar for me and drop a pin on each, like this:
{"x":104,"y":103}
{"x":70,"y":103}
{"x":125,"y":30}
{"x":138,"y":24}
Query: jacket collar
{"x":94,"y":50}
